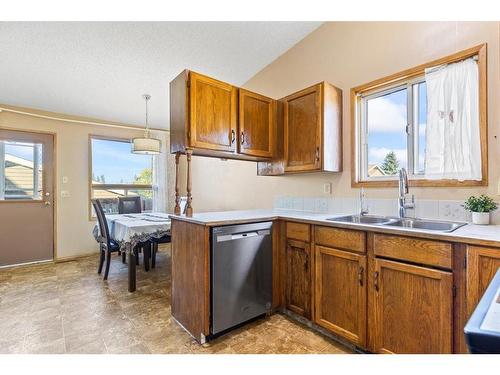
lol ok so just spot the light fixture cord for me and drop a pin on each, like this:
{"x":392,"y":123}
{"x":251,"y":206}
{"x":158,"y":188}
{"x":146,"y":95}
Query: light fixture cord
{"x":146,"y":98}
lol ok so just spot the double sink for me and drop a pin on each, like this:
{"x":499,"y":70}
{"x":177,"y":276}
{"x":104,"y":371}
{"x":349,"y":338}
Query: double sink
{"x":406,"y":223}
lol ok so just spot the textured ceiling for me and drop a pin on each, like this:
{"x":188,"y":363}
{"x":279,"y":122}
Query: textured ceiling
{"x":101,"y":69}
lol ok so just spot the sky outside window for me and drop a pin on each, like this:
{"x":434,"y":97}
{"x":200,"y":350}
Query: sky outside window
{"x":387,"y":119}
{"x":113,"y":162}
{"x":20,"y":149}
{"x":386,"y":131}
{"x":422,"y":121}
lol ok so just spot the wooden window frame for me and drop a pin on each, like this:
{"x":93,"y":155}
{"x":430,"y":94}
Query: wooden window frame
{"x":392,"y":80}
{"x":107,"y":186}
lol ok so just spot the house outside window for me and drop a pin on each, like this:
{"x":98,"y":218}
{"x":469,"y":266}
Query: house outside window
{"x":21,"y":170}
{"x":116,"y":172}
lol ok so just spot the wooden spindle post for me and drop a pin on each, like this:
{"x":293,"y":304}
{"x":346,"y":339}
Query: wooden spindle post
{"x":177,"y":209}
{"x":189,"y":209}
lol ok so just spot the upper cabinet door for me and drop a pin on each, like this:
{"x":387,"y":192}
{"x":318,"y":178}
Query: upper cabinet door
{"x":213,"y":114}
{"x":303,"y":130}
{"x":257,"y":122}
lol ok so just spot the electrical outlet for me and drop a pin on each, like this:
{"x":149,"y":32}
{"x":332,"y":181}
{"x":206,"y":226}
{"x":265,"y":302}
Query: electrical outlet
{"x":65,"y":180}
{"x":327,"y":188}
{"x":65,"y":194}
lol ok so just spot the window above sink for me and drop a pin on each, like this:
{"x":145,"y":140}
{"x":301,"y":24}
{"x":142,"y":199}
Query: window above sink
{"x":395,"y":120}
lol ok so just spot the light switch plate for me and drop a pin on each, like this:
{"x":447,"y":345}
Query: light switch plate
{"x":65,"y":180}
{"x":65,"y":194}
{"x":327,"y":188}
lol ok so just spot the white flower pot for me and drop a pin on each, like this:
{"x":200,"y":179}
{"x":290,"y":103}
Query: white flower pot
{"x":481,"y":218}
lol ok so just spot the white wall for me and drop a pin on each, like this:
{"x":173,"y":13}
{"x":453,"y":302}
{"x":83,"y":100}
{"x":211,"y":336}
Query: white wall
{"x":348,"y":54}
{"x":74,"y":230}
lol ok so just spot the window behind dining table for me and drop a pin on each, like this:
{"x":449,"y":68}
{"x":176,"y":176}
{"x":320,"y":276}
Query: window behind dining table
{"x":116,"y":172}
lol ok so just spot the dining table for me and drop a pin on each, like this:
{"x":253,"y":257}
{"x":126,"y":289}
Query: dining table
{"x":130,"y":230}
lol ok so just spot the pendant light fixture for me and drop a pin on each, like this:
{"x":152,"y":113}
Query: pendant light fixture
{"x":146,"y":145}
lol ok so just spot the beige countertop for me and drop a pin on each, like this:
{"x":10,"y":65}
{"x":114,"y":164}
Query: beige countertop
{"x":488,"y":235}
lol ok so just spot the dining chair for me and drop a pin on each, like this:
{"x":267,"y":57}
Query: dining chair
{"x":107,"y":245}
{"x":129,"y":205}
{"x":154,"y":247}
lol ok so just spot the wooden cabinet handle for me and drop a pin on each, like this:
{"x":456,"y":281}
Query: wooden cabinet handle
{"x":317,"y":154}
{"x":360,"y":275}
{"x":242,"y":137}
{"x":376,"y":281}
{"x":233,"y":136}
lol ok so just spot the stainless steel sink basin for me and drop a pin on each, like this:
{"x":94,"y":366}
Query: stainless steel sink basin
{"x":365,"y":219}
{"x":407,"y":223}
{"x":438,"y":226}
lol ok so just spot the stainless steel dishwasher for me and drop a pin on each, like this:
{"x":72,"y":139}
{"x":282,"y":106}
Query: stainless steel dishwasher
{"x":241,"y":274}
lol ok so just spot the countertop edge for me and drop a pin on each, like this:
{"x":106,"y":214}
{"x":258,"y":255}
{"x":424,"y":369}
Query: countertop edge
{"x":449,"y":237}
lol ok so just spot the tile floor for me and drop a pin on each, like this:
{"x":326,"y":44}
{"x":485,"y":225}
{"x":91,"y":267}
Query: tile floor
{"x":68,"y":308}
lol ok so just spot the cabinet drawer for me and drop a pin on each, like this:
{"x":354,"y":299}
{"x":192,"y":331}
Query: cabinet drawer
{"x":298,"y":231}
{"x":433,"y":253}
{"x":344,"y":239}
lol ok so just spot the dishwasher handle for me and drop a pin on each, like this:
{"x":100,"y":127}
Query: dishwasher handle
{"x":239,"y":236}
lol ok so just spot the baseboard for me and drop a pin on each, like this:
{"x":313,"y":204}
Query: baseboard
{"x":75,"y":257}
{"x":27,"y":264}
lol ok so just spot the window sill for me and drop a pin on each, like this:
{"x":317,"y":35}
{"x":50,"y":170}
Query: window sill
{"x":420,"y":183}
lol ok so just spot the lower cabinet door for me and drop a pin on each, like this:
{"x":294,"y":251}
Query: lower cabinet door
{"x":482,"y":264}
{"x":340,"y":294}
{"x":412,"y":310}
{"x":298,"y":278}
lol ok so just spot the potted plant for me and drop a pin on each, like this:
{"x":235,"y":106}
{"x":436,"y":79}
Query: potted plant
{"x":480,"y":207}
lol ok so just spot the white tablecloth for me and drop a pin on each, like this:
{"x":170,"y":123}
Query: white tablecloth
{"x":130,"y":229}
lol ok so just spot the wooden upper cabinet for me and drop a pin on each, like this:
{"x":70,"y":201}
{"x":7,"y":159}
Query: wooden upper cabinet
{"x":312,"y":123}
{"x":257,"y":124}
{"x":214,"y":118}
{"x":340,"y":298}
{"x":212,"y":113}
{"x":298,"y":277}
{"x":302,"y":125}
{"x":412,"y":309}
{"x":482,"y":264}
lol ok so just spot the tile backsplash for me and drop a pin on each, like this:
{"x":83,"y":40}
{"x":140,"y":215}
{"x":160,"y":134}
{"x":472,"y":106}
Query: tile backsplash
{"x":427,"y":209}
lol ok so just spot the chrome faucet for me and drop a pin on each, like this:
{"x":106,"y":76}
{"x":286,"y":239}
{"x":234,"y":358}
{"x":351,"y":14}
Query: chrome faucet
{"x":403,"y":190}
{"x":362,"y":210}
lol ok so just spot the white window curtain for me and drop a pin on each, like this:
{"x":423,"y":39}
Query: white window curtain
{"x":453,"y":146}
{"x":160,"y":203}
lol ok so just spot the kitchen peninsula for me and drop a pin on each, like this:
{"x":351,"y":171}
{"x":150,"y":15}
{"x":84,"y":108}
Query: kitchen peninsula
{"x":381,"y":288}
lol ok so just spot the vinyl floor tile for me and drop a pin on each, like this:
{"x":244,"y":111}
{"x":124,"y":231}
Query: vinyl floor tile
{"x":58,"y":308}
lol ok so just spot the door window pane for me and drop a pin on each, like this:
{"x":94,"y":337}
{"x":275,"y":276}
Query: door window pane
{"x":386,"y":120}
{"x":21,"y":170}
